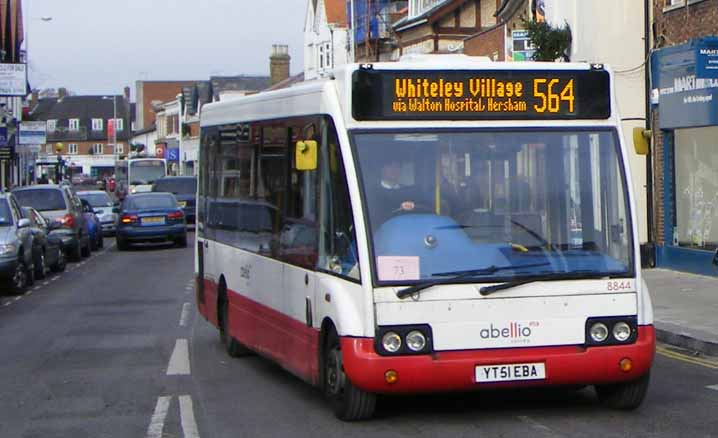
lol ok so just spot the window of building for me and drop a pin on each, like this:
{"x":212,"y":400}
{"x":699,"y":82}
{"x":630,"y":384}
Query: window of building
{"x":72,"y":148}
{"x":97,"y":124}
{"x":120,"y":148}
{"x":696,"y":188}
{"x":97,"y":149}
{"x":48,"y":149}
{"x":119,"y":124}
{"x":74,"y":124}
{"x":134,"y":126}
{"x":321,"y":57}
{"x":51,"y":125}
{"x":329,"y":55}
{"x":418,"y":7}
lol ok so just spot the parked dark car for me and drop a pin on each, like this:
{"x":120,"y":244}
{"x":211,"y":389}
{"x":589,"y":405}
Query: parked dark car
{"x":59,"y":204}
{"x":16,"y":263}
{"x":47,"y":251}
{"x":94,"y":226}
{"x":102,"y":204}
{"x":151,"y":217}
{"x":185,"y":190}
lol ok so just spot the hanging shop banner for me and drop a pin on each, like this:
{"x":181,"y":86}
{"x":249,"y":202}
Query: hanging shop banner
{"x":33,"y":133}
{"x":13,"y":80}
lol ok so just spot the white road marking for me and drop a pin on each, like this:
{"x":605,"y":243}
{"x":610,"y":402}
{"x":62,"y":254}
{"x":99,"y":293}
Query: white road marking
{"x":45,"y":283}
{"x":179,"y":361}
{"x":189,"y":425}
{"x":713,"y":387}
{"x":6,"y":304}
{"x":16,"y":299}
{"x":28,"y":293}
{"x":157,"y":423}
{"x":36,"y":287}
{"x":536,"y":425}
{"x":184,"y":315}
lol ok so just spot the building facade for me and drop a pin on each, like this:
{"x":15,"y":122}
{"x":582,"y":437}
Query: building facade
{"x":325,"y":37}
{"x":684,"y":96}
{"x":13,"y":157}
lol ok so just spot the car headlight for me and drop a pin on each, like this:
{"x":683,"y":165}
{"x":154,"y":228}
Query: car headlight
{"x":621,"y":331}
{"x":8,"y":249}
{"x":599,"y":332}
{"x":391,"y":342}
{"x":415,"y":340}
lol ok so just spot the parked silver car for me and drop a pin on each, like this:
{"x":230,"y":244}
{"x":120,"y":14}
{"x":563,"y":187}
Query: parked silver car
{"x":103,"y":205}
{"x":16,"y":261}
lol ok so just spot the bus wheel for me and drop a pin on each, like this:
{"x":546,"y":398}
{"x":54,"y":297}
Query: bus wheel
{"x":231,"y":345}
{"x":625,"y":396}
{"x":349,"y":402}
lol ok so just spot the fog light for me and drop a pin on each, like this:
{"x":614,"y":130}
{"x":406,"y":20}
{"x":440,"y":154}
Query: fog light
{"x":626,"y":365}
{"x":415,"y":340}
{"x":599,"y":332}
{"x":391,"y":376}
{"x":621,"y":331}
{"x":391,"y":342}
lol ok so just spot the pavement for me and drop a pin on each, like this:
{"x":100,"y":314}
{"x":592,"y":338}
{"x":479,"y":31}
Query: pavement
{"x":685,"y":308}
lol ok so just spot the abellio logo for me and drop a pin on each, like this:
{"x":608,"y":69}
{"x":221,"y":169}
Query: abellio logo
{"x":514,"y":331}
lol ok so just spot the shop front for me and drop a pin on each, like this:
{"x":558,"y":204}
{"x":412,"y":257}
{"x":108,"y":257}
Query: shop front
{"x":685,"y":95}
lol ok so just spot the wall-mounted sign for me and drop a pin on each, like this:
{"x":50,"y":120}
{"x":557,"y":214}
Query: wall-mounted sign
{"x":172,"y":154}
{"x":13,"y":80}
{"x":33,"y":133}
{"x":521,"y":48}
{"x":707,"y":58}
{"x":3,"y":137}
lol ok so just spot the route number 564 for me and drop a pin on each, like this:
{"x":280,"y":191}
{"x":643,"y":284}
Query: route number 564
{"x":550,"y":98}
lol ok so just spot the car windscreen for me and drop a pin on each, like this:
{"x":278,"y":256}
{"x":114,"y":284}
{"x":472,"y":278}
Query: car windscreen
{"x":5,"y":216}
{"x":178,"y":186}
{"x":150,"y":202}
{"x":97,"y":199}
{"x":41,"y":199}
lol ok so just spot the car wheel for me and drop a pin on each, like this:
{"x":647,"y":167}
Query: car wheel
{"x":100,"y":241}
{"x":182,"y":241}
{"x":87,"y":249}
{"x":40,"y":266}
{"x":349,"y":402}
{"x":61,"y":262}
{"x":76,"y":253}
{"x":93,"y":244}
{"x":18,"y":282}
{"x":122,"y":244}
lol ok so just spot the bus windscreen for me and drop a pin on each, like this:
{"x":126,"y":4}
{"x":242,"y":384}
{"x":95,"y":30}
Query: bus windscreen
{"x":480,"y":95}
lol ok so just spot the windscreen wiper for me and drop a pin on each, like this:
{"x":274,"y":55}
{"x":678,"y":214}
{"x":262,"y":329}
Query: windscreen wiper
{"x":573,"y":275}
{"x":458,"y":275}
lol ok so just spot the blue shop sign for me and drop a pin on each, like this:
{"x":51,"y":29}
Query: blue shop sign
{"x":3,"y":137}
{"x":172,"y":154}
{"x":707,"y":58}
{"x":684,"y":99}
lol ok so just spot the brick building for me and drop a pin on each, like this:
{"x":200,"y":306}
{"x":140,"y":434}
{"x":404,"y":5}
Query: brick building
{"x":152,"y":93}
{"x":684,"y":96}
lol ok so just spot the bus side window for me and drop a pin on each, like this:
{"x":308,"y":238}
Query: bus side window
{"x":337,"y":239}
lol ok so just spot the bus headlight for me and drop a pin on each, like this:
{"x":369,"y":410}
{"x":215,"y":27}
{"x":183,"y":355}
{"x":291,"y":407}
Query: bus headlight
{"x":415,"y":340}
{"x":391,"y":342}
{"x":599,"y":332}
{"x":621,"y":331}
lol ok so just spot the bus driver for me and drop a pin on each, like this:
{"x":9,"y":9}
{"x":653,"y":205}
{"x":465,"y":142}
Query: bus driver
{"x":390,"y":197}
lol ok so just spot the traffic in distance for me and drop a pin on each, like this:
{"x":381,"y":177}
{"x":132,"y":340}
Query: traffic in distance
{"x":44,"y":226}
{"x":436,"y":224}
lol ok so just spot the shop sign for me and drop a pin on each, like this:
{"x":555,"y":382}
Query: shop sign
{"x":684,"y":99}
{"x":3,"y":137}
{"x":707,"y":58}
{"x":13,"y":80}
{"x":172,"y":154}
{"x":33,"y":133}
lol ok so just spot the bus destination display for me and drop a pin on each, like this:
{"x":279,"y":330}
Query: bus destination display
{"x":477,"y":95}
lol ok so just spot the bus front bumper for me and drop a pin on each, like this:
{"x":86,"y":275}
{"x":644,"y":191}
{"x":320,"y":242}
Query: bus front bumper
{"x":455,"y":370}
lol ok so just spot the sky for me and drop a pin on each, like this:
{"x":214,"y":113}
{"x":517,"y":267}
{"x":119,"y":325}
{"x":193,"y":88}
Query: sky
{"x":101,"y":46}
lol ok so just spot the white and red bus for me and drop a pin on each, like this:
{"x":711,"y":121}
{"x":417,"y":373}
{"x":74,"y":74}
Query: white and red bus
{"x":137,"y":174}
{"x":442,"y":223}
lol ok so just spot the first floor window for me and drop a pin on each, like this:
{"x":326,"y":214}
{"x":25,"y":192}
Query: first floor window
{"x":74,"y":124}
{"x":119,"y":148}
{"x":72,"y":148}
{"x":97,"y":124}
{"x":97,"y":148}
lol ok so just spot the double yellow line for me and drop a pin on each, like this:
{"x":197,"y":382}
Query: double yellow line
{"x":663,"y":351}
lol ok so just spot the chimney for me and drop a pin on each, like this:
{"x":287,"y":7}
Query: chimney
{"x":127,"y":93}
{"x":279,"y":63}
{"x":61,"y":93}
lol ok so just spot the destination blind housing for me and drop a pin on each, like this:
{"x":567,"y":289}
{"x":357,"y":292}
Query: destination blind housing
{"x":480,"y":94}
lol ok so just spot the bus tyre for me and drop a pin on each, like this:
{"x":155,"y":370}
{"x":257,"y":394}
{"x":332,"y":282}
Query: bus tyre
{"x":625,"y":396}
{"x":349,"y":402}
{"x":231,"y":345}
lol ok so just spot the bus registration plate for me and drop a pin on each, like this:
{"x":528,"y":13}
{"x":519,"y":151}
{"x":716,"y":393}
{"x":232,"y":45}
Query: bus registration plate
{"x":510,"y":372}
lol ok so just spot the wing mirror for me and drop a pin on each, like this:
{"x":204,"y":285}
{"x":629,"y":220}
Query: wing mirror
{"x":115,"y":209}
{"x":23,"y":223}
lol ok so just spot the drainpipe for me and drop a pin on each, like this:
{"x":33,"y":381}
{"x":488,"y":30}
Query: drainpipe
{"x":649,"y":158}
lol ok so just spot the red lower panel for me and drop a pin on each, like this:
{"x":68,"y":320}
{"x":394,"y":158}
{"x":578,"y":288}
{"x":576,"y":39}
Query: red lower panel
{"x":265,"y":330}
{"x":447,"y":371}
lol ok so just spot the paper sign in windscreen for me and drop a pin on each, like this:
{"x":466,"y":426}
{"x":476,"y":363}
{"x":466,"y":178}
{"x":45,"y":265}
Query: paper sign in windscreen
{"x":397,"y":268}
